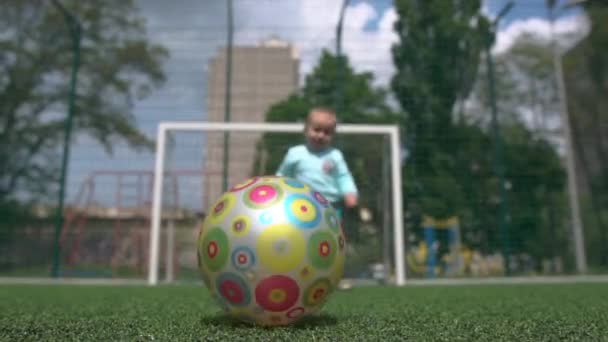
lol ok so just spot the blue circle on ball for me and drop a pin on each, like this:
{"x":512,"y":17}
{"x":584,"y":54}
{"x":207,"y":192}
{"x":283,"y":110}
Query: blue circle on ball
{"x":294,"y":183}
{"x":266,"y":217}
{"x":294,"y":219}
{"x":243,"y":258}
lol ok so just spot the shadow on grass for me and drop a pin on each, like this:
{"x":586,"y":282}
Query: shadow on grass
{"x":314,"y":321}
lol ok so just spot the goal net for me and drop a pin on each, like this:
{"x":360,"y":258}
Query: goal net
{"x":197,"y":161}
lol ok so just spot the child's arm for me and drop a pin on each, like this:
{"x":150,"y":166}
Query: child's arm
{"x":287,"y":166}
{"x":346,"y":183}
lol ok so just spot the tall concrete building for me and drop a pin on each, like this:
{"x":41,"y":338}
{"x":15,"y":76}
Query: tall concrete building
{"x":261,"y":76}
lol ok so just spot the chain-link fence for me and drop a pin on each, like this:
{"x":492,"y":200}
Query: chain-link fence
{"x":496,"y":182}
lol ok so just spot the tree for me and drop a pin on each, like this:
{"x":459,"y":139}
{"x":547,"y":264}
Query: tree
{"x":526,"y":79}
{"x":527,"y":102}
{"x":118,"y":65}
{"x":586,"y":80}
{"x":436,"y":60}
{"x":450,"y":171}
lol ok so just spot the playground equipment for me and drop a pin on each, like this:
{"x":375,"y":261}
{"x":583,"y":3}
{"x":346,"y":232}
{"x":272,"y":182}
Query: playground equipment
{"x":107,"y":226}
{"x":452,"y":228}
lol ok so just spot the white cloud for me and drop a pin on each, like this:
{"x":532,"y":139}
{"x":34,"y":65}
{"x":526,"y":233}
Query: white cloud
{"x":569,"y":30}
{"x":371,"y":50}
{"x":311,"y":26}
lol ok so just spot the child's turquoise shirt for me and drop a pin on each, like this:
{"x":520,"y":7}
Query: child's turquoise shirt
{"x":325,"y":171}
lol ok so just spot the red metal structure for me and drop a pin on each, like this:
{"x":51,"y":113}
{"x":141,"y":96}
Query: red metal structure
{"x":128,"y":212}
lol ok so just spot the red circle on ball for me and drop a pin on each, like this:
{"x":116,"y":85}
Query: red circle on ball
{"x":212,"y":249}
{"x":295,"y":312}
{"x":280,"y":283}
{"x":232,"y":292}
{"x":262,"y":194}
{"x":324,"y":248}
{"x":218,"y":208}
{"x":319,"y":294}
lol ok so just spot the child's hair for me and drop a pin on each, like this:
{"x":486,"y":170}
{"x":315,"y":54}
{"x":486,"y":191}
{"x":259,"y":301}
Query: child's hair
{"x":323,"y":109}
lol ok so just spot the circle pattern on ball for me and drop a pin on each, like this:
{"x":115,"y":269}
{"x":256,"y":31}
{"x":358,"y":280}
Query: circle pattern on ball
{"x":222,"y":207}
{"x":307,"y":272}
{"x":233,"y":289}
{"x":301,"y":211}
{"x":295,"y":312}
{"x":266,"y":217}
{"x":320,"y":199}
{"x":243,"y":258}
{"x":281,"y":248}
{"x":316,"y":293}
{"x":295,"y":185}
{"x":215,"y":249}
{"x":331,"y":218}
{"x":322,"y":249}
{"x":240,"y":226}
{"x":277,"y":293}
{"x":244,"y":184}
{"x":263,"y":195}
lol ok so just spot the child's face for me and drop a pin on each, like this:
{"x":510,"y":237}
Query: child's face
{"x":320,"y":129}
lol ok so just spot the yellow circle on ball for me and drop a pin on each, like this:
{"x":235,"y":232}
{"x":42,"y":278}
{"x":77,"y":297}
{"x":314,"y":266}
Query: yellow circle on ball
{"x":281,"y":248}
{"x":303,"y":210}
{"x":221,"y":208}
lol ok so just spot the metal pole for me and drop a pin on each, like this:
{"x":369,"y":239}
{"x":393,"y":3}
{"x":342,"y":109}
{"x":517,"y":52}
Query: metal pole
{"x":398,"y":234}
{"x":75,"y":33}
{"x":157,"y":195}
{"x":503,"y":214}
{"x":575,"y":216}
{"x":386,"y":217}
{"x":341,"y":65}
{"x":227,"y":97}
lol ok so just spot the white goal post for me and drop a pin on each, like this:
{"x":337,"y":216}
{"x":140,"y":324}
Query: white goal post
{"x":164,"y":128}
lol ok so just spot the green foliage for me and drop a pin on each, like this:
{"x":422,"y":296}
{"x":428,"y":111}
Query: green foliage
{"x":537,"y":181}
{"x":363,"y":103}
{"x":586,"y":79}
{"x":525,"y":81}
{"x":527,"y":100}
{"x":451,"y":169}
{"x":436,"y":60}
{"x":118,"y":66}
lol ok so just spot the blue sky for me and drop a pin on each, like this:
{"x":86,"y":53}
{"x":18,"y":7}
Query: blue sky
{"x":193,"y":30}
{"x":523,"y":9}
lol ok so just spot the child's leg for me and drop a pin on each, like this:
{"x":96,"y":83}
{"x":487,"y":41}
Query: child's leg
{"x":350,"y":230}
{"x":344,"y":283}
{"x":339,"y":207}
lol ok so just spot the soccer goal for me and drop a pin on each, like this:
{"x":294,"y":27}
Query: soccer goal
{"x":225,"y":154}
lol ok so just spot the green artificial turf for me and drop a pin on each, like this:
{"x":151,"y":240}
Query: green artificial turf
{"x":448,"y":313}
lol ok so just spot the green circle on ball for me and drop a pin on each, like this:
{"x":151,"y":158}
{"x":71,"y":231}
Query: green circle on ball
{"x":322,"y":247}
{"x":215,"y":249}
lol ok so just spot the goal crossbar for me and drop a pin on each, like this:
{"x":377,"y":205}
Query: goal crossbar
{"x":392,"y":131}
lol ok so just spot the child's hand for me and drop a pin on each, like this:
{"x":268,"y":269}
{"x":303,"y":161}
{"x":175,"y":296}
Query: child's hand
{"x":350,"y":200}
